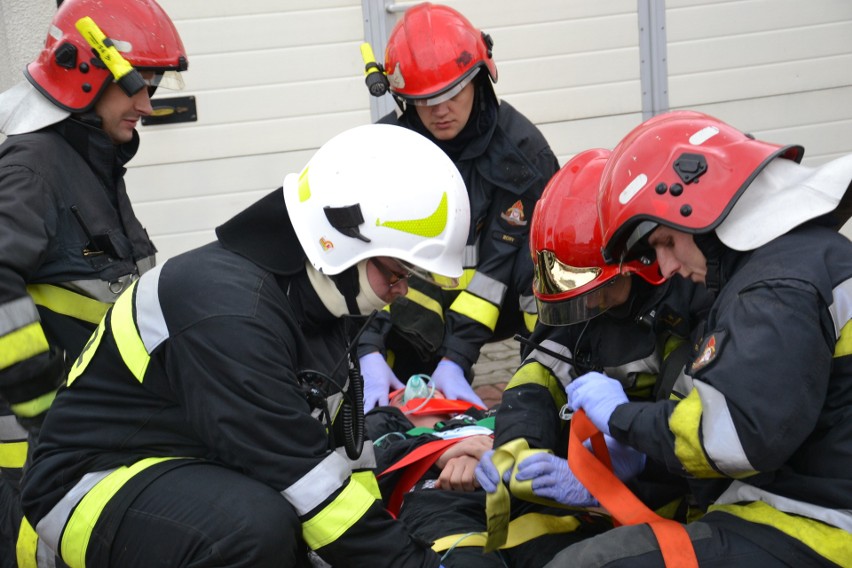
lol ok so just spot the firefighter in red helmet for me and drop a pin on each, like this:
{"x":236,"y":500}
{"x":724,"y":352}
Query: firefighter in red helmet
{"x":762,"y":435}
{"x":440,"y":69}
{"x":592,"y":316}
{"x":70,"y":241}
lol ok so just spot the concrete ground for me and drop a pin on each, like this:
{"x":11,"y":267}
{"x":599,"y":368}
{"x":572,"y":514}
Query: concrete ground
{"x":495,"y":367}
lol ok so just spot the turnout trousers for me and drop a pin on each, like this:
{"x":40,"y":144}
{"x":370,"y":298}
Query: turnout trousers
{"x":720,"y":541}
{"x":198,"y":515}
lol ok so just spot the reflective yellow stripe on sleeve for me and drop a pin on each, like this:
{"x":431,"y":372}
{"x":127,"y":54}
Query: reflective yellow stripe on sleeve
{"x":86,"y":354}
{"x":537,"y":374}
{"x":26,"y":546}
{"x":35,"y":406}
{"x":685,"y":423}
{"x":425,"y":301}
{"x":843,"y":346}
{"x":477,"y":309}
{"x":342,"y":513}
{"x":127,"y":338}
{"x":13,"y":454}
{"x":368,"y":480}
{"x":21,"y":344}
{"x":67,"y":303}
{"x":830,"y":542}
{"x":530,"y":320}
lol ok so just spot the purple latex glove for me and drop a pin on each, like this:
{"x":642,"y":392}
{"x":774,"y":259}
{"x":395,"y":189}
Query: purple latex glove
{"x":598,"y":395}
{"x":487,"y":475}
{"x":449,"y":379}
{"x":627,"y":463}
{"x":553,"y":479}
{"x":379,"y":380}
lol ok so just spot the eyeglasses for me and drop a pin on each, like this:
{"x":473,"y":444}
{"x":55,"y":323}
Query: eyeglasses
{"x":392,"y":276}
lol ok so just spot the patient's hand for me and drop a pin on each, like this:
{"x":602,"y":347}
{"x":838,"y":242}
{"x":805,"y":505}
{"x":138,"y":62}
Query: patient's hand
{"x":457,"y":474}
{"x":473,"y":446}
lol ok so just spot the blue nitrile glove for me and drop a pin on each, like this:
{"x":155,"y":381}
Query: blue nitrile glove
{"x":487,"y":475}
{"x":627,"y":462}
{"x":553,"y":479}
{"x":449,"y":379}
{"x":379,"y":380}
{"x":598,"y":395}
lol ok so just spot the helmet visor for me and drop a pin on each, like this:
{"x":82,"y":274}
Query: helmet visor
{"x":425,"y":275}
{"x":581,"y":308}
{"x":170,"y":80}
{"x":445,"y":95}
{"x":552,"y":276}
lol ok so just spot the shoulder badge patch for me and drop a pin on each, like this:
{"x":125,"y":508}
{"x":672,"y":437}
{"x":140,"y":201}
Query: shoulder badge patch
{"x":514,"y":215}
{"x":708,"y":352}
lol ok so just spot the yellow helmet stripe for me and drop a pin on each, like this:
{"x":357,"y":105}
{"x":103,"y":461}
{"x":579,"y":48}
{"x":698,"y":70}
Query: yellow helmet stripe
{"x":430,"y":226}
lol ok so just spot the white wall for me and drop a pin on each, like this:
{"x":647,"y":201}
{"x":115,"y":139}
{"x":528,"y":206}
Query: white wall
{"x":273,"y":80}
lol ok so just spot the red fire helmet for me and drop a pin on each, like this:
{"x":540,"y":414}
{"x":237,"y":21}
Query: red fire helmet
{"x":682,"y":169}
{"x":433,"y":52}
{"x":72,"y":75}
{"x":571,"y":280}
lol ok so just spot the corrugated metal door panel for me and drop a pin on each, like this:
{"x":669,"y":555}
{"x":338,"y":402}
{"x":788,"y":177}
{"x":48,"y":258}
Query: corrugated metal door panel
{"x":574,"y":136}
{"x":192,"y":9}
{"x":761,"y":48}
{"x":760,"y":81}
{"x":575,"y":103}
{"x":491,"y":14}
{"x":271,"y":31}
{"x":190,"y":180}
{"x":176,"y":144}
{"x":690,"y":20}
{"x":275,"y":66}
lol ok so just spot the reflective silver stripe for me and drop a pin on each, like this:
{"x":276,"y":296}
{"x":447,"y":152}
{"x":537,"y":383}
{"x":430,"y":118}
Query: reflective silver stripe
{"x":149,"y":314}
{"x":739,"y":491}
{"x":560,"y":369}
{"x":10,"y":430}
{"x":50,"y":528}
{"x":528,"y":304}
{"x":683,"y":384}
{"x":720,"y":438}
{"x":146,"y":264}
{"x":487,"y":288}
{"x":841,"y":309}
{"x":318,"y":484}
{"x":471,"y":255}
{"x":45,"y":557}
{"x":100,"y":290}
{"x":367,"y":459}
{"x":626,"y":374}
{"x":17,"y":314}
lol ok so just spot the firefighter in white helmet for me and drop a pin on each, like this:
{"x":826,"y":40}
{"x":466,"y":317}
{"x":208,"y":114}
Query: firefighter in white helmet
{"x":217,"y":410}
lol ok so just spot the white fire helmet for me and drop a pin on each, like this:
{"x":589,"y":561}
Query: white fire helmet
{"x":380,"y":190}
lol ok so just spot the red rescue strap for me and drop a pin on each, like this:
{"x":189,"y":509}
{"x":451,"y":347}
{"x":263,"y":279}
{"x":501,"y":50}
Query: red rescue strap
{"x":595,"y":472}
{"x":417,"y":462}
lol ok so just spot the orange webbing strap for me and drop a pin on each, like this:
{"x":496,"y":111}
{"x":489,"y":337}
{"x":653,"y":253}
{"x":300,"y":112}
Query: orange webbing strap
{"x":617,"y":499}
{"x":416,"y":463}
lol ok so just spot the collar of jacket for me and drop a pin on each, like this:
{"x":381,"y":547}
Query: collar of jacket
{"x":264,"y":234}
{"x":106,"y":159}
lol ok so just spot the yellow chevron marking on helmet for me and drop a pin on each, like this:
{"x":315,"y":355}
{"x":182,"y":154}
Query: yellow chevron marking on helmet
{"x":304,"y":186}
{"x":430,"y":226}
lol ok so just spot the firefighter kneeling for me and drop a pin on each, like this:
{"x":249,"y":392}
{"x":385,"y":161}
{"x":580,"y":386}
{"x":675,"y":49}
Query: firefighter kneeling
{"x":214,"y":417}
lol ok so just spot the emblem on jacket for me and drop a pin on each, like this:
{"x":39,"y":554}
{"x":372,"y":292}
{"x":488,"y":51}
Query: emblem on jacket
{"x":708,"y":351}
{"x":514,"y":215}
